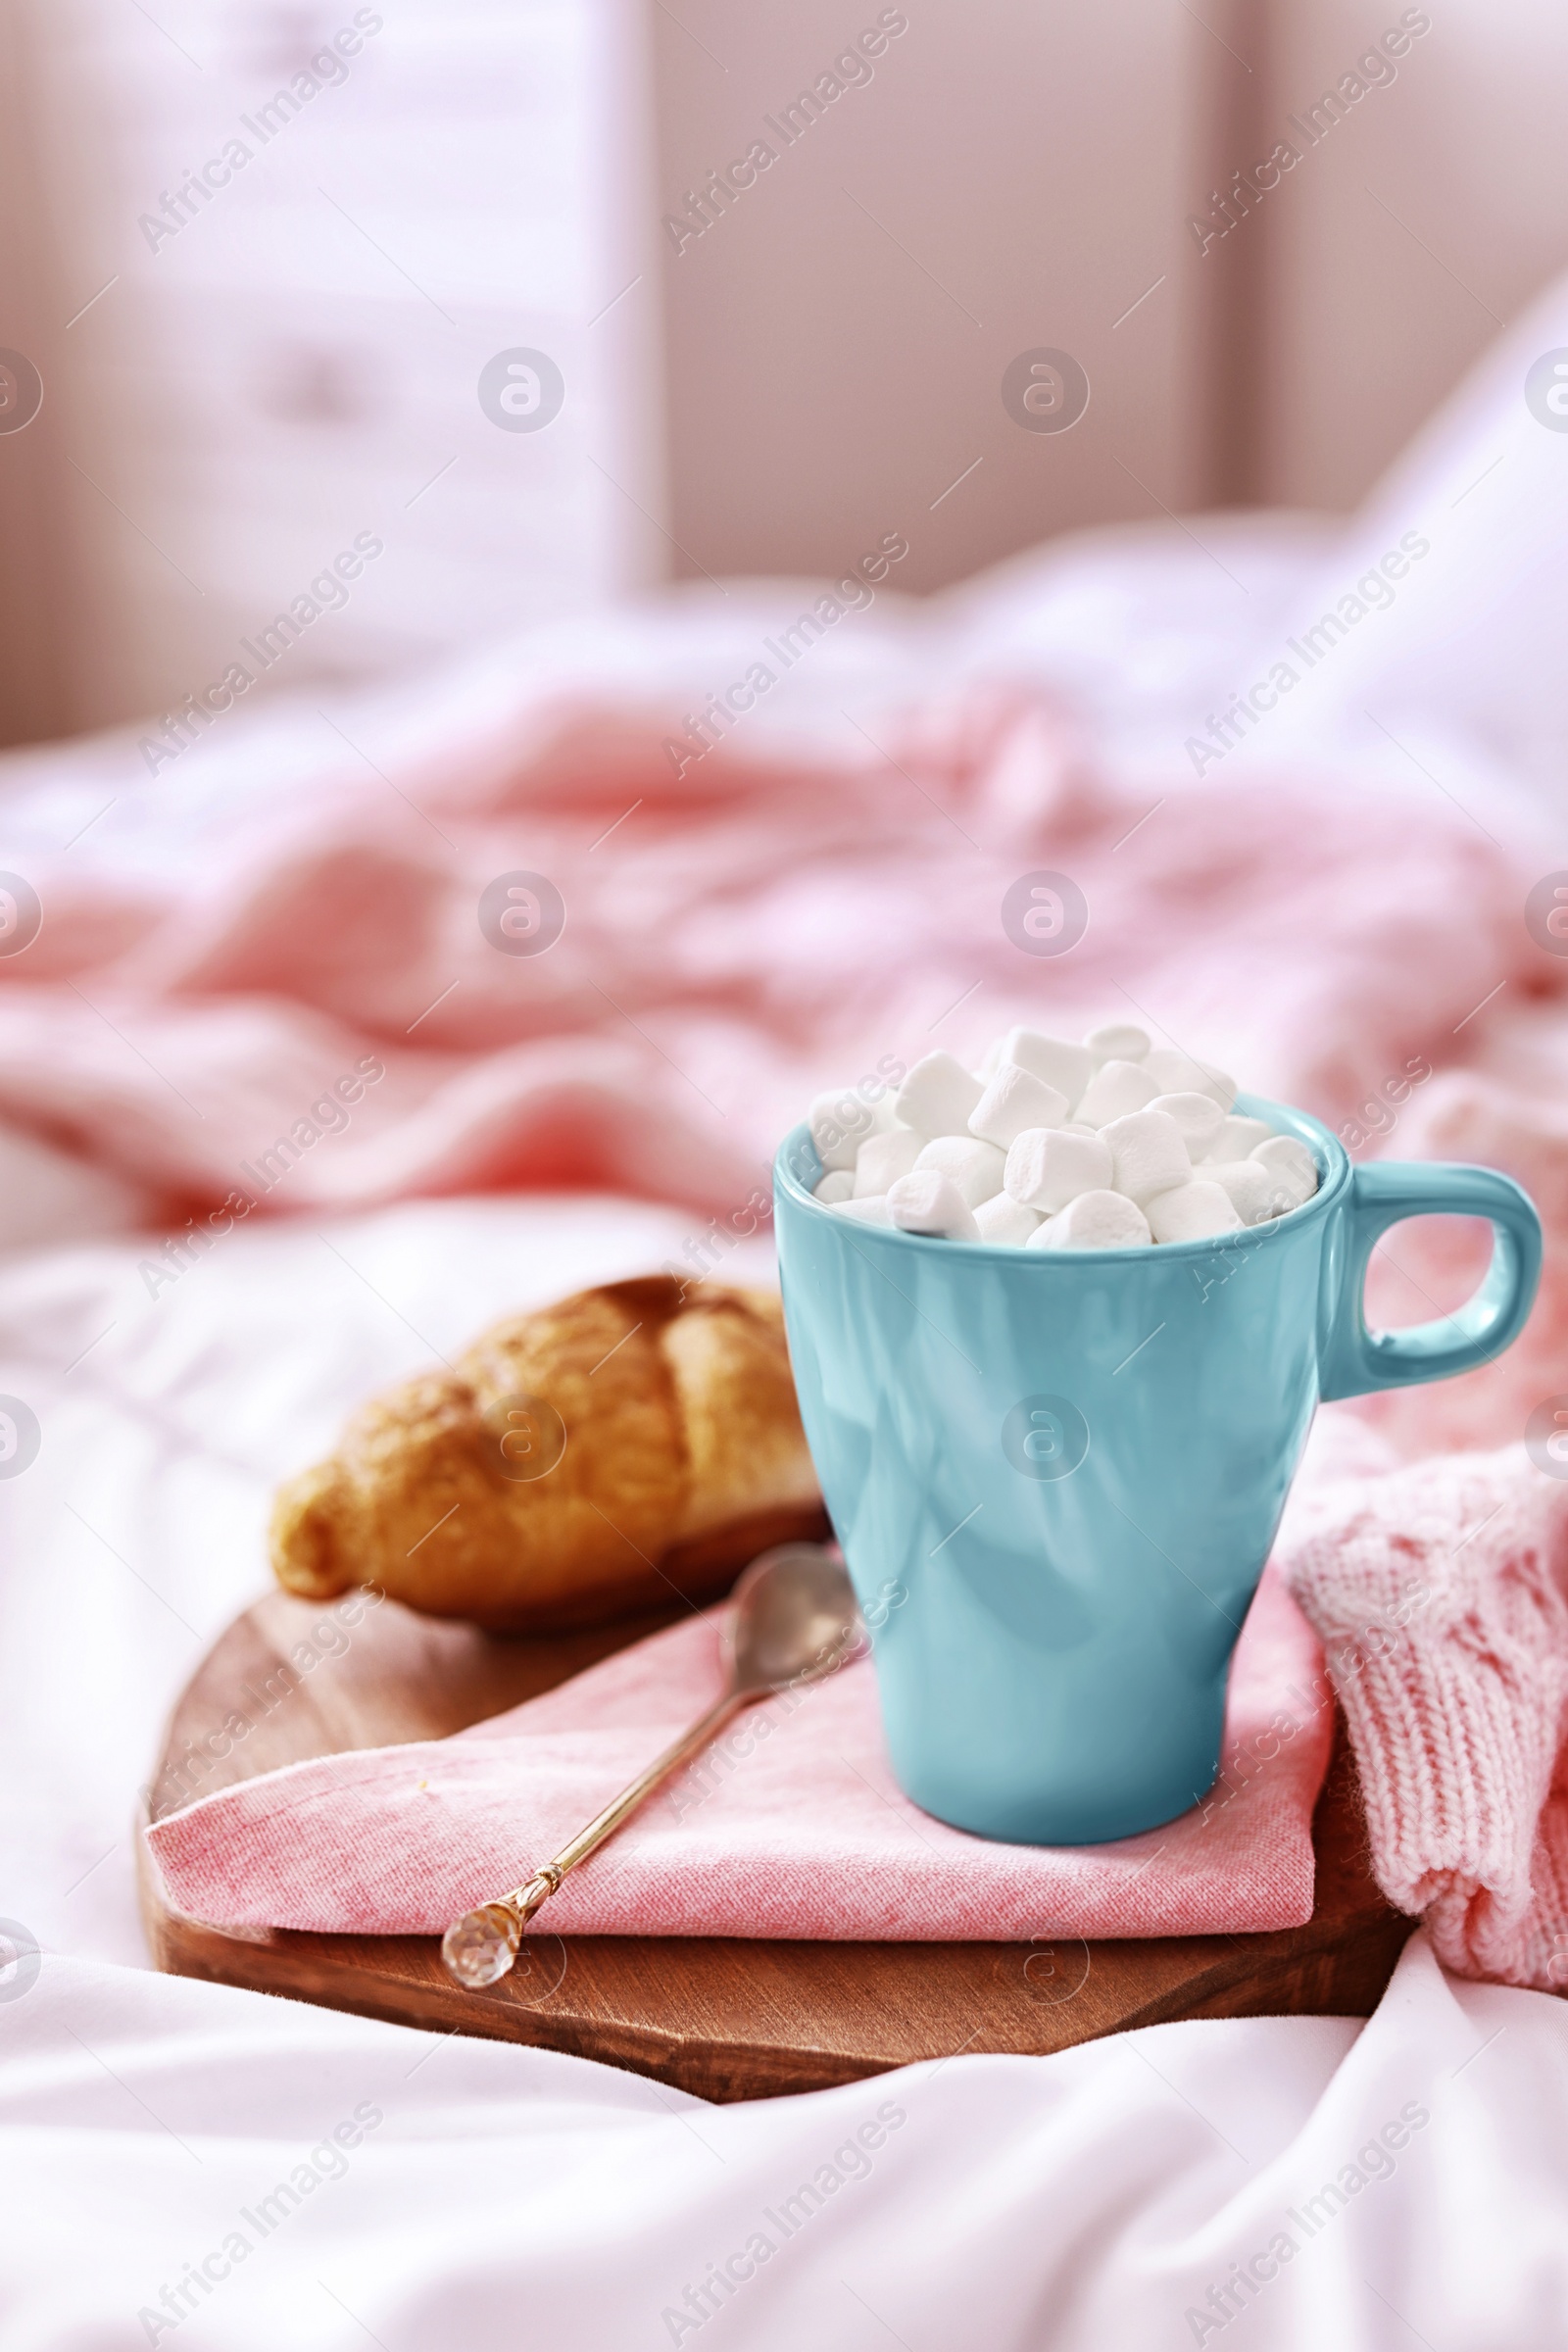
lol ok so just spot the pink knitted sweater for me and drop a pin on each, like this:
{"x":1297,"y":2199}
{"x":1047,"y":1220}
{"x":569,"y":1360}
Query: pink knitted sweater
{"x":1440,"y":1593}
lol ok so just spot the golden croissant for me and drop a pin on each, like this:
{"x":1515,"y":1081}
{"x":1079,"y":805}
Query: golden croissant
{"x":598,"y":1456}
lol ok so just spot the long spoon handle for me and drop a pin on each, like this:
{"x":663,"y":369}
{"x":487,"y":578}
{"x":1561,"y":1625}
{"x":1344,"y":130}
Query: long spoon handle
{"x":525,"y":1899}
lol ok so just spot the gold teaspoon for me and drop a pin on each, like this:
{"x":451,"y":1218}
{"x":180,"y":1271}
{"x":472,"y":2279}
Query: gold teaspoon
{"x":792,"y":1620}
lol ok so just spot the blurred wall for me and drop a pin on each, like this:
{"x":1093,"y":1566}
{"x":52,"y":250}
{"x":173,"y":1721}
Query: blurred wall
{"x":1030,"y":170}
{"x":38,"y":564}
{"x":1410,"y":233}
{"x":276,"y":243}
{"x":774,"y":370}
{"x":1005,"y":177}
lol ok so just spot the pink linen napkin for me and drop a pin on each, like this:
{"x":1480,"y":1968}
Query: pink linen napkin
{"x":791,"y":1825}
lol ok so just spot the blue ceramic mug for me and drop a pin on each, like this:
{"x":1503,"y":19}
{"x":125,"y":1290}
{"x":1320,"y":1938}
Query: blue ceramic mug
{"x":1057,"y":1475}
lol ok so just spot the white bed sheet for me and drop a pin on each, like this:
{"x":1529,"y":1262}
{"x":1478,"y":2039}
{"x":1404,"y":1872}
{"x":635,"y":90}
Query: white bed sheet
{"x":1399,"y":2183}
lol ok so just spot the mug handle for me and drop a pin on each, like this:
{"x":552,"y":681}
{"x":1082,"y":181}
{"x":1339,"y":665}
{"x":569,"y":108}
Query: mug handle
{"x":1354,"y":1359}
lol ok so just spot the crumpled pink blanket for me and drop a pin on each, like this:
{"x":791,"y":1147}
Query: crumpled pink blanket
{"x":775,"y":920}
{"x":791,"y":1825}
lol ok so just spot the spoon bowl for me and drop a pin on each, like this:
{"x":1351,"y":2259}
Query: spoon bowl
{"x":793,"y":1618}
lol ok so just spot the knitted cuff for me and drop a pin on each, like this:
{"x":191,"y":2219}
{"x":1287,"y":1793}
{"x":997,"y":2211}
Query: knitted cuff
{"x":1438,"y":1594}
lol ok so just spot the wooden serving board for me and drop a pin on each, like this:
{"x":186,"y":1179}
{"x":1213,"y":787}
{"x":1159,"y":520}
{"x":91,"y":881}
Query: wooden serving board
{"x":726,"y":2017}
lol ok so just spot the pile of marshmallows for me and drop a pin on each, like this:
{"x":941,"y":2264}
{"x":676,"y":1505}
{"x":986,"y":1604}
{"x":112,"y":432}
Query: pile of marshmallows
{"x":1110,"y":1145}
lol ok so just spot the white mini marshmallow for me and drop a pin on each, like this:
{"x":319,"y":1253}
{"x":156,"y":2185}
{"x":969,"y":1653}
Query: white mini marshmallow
{"x":1115,"y":1040}
{"x":1068,"y":1068}
{"x":1015,"y":1099}
{"x":884,"y":1159}
{"x":1115,"y":1089}
{"x":974,"y":1167}
{"x":840,"y":1123}
{"x":870,"y":1209}
{"x":927,"y":1202}
{"x":938,"y":1096}
{"x":837,"y":1185}
{"x":1290,"y":1165}
{"x":1190,"y":1211}
{"x":1002,"y":1220}
{"x":1237,"y":1137}
{"x":1040,"y":1239}
{"x":1199,"y":1118}
{"x":1147,"y":1153}
{"x":1098,"y":1221}
{"x":1178,"y":1073}
{"x":1047,"y":1167}
{"x":1255,"y":1194}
